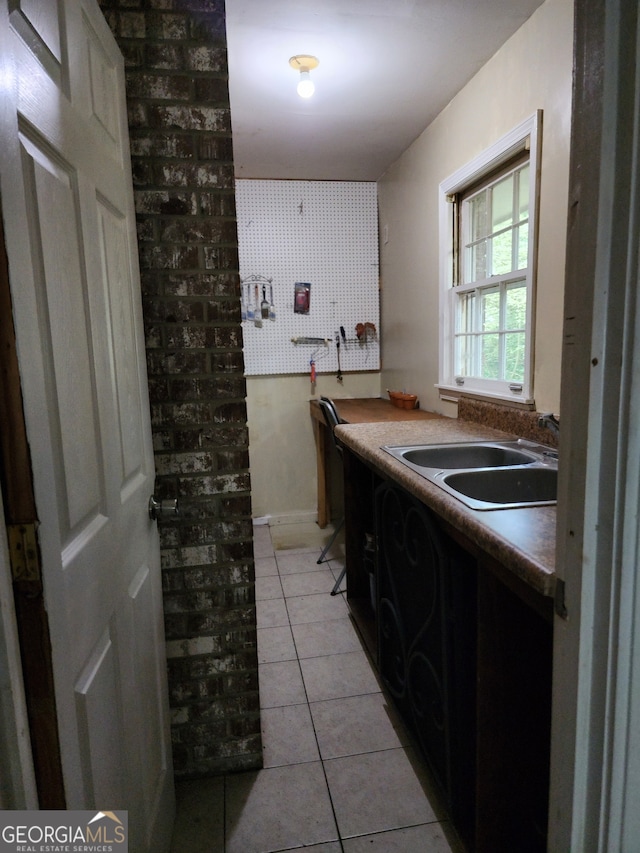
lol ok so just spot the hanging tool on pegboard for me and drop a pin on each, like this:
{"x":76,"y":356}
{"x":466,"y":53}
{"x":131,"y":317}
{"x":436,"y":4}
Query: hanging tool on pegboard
{"x":312,"y":365}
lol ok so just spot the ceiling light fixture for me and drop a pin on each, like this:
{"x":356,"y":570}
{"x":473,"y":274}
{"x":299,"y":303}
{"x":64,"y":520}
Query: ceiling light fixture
{"x":304,"y":64}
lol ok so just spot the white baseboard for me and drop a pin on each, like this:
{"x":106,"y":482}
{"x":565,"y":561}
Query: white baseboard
{"x":307,"y":517}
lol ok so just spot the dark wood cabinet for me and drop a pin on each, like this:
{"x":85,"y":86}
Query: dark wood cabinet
{"x":426,"y":603}
{"x":360,"y":483}
{"x":464,"y":650}
{"x":515,"y":650}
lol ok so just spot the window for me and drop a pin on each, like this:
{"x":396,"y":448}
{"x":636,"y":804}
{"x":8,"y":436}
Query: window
{"x":488,"y":228}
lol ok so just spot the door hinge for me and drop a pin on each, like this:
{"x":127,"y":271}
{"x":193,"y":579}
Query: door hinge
{"x":23,"y":552}
{"x":559,"y":600}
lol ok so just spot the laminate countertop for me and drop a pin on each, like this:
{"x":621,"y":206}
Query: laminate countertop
{"x":523,"y":540}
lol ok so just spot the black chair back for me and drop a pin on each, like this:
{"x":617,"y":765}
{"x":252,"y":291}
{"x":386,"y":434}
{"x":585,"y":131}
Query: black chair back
{"x":331,"y":419}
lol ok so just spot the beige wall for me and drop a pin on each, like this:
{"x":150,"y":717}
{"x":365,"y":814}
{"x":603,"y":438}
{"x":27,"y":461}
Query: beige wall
{"x":281,"y":443}
{"x":533,"y":70}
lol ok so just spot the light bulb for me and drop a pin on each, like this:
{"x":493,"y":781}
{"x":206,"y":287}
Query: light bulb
{"x":304,"y":63}
{"x":305,"y":85}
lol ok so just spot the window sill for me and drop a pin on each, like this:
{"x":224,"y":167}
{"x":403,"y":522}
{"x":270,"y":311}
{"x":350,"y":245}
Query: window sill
{"x":453,"y":393}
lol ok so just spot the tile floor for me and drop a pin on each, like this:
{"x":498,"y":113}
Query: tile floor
{"x":340,"y":774}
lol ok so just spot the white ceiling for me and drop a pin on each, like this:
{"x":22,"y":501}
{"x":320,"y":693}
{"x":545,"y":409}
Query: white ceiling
{"x":387,"y":68}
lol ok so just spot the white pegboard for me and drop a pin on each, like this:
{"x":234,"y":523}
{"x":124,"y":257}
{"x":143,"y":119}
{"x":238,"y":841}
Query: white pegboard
{"x":324,"y":233}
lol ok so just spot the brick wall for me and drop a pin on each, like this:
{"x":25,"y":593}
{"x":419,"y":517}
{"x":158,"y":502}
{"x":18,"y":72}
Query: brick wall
{"x":182,"y":163}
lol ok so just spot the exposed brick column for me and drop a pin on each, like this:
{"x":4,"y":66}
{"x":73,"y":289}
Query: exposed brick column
{"x":182,"y":163}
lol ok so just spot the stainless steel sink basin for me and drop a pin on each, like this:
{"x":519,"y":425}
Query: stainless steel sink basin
{"x":487,"y":474}
{"x":506,"y":485}
{"x":467,"y":456}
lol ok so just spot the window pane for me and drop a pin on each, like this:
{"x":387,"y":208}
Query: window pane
{"x":477,"y":213}
{"x":514,"y":357}
{"x":490,"y":307}
{"x":464,"y":342}
{"x":502,"y":204}
{"x":502,"y":258}
{"x":476,"y":266}
{"x":516,"y":307}
{"x":490,"y":356}
{"x":463,"y":355}
{"x":523,"y":193}
{"x":466,"y":306}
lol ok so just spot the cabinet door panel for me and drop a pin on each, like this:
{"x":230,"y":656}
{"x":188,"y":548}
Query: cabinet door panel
{"x":413,"y":632}
{"x":426,"y":608}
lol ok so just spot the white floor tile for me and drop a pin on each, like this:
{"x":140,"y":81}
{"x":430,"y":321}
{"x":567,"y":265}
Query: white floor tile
{"x":278,"y":808}
{"x":269,"y":587}
{"x":297,"y":562}
{"x":337,"y":676}
{"x":428,"y":838}
{"x":275,"y":644}
{"x":271,"y":613}
{"x":316,"y":608}
{"x":281,"y":684}
{"x":262,"y":545}
{"x":376,"y":791}
{"x":199,"y":826}
{"x":317,"y":639}
{"x":266,"y":566}
{"x":308,"y":583}
{"x":357,"y":724}
{"x":288,"y":736}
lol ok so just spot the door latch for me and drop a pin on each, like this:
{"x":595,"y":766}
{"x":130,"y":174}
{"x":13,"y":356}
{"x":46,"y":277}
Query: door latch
{"x":164,"y":509}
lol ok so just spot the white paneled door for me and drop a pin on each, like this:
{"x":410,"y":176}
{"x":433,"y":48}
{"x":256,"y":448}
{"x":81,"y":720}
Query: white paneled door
{"x":67,"y":205}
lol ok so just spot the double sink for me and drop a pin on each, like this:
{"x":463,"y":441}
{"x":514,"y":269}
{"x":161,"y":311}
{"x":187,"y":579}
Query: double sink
{"x":487,"y":474}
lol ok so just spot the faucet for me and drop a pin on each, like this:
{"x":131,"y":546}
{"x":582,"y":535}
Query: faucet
{"x":551,"y":422}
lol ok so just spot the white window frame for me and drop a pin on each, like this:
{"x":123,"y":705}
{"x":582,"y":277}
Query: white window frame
{"x":527,"y":135}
